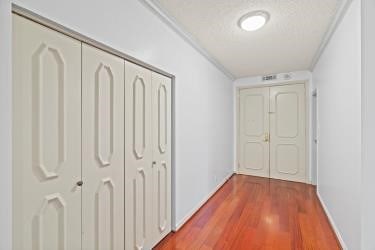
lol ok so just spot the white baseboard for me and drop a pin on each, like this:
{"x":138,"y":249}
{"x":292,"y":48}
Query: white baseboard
{"x":176,"y":227}
{"x":330,"y":218}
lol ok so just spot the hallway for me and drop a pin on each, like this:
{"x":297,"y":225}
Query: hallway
{"x":257,"y":213}
{"x":174,"y":124}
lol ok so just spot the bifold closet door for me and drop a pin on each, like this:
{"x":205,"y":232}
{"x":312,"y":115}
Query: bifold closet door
{"x":254,"y":132}
{"x":161,"y":168}
{"x":102,"y":150}
{"x":46,"y":138}
{"x":138,"y":158}
{"x":288,"y":132}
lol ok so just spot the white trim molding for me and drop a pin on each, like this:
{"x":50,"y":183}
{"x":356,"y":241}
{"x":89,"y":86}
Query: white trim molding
{"x":332,"y":222}
{"x":6,"y":147}
{"x":172,"y":23}
{"x":336,"y":20}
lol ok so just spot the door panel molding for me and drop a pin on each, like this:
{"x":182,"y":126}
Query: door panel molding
{"x":60,"y":207}
{"x":260,"y":153}
{"x":101,"y":227}
{"x":42,"y":113}
{"x":261,"y":112}
{"x":162,"y":118}
{"x":103,"y":131}
{"x":163,"y":196}
{"x":139,"y":117}
{"x":277,"y":160}
{"x":277,"y":113}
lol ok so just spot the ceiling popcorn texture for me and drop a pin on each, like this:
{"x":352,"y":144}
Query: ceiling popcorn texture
{"x":288,"y":42}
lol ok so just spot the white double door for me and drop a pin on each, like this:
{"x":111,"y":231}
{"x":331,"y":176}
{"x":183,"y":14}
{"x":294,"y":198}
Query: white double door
{"x":272,"y":132}
{"x":71,"y":140}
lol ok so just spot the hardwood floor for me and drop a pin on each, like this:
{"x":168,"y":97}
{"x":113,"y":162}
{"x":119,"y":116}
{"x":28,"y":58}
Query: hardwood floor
{"x":257,"y":213}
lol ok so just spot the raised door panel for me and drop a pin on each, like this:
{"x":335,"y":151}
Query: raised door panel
{"x":138,"y":158}
{"x":287,"y":148}
{"x":161,"y":132}
{"x":254,"y":129}
{"x":102,"y":150}
{"x":47,"y":138}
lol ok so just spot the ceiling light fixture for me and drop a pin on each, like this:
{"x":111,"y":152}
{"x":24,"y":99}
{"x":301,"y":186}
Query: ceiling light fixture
{"x":254,"y":20}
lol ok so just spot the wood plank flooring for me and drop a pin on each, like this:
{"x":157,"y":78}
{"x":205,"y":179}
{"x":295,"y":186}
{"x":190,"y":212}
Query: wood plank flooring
{"x":257,"y":213}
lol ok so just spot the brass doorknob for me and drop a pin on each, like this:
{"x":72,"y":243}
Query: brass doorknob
{"x":266,"y":137}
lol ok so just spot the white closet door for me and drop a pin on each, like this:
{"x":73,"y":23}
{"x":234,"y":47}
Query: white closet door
{"x":254,"y":132}
{"x":161,"y":132}
{"x":47,"y":138}
{"x":102,"y":150}
{"x":288,"y":133}
{"x":138,"y":157}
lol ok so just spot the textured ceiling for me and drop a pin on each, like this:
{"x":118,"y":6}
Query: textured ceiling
{"x":288,"y":42}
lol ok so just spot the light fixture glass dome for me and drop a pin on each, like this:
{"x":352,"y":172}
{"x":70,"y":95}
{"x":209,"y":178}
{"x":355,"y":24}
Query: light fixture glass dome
{"x":253,"y":20}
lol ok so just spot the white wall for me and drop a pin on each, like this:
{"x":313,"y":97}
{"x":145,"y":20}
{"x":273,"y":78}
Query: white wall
{"x":337,"y":77}
{"x":368,"y":124}
{"x":203,"y":93}
{"x":302,"y":76}
{"x":5,"y":127}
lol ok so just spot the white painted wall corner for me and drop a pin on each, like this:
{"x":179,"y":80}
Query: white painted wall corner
{"x":332,"y":222}
{"x":189,"y":215}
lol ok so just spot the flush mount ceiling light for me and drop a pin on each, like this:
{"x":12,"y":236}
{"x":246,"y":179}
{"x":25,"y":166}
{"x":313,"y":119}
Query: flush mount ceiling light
{"x":254,"y":20}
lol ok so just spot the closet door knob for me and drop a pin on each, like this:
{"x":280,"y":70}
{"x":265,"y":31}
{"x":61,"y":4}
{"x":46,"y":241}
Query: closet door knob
{"x":79,"y":183}
{"x":153,"y":163}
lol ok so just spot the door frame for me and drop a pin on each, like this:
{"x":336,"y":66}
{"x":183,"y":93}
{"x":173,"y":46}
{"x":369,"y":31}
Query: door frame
{"x":308,"y":132}
{"x":314,"y":136}
{"x":28,"y":14}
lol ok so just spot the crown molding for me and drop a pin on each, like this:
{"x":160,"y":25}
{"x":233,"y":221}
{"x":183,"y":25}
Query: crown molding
{"x":168,"y":19}
{"x":172,"y":23}
{"x":337,"y":18}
